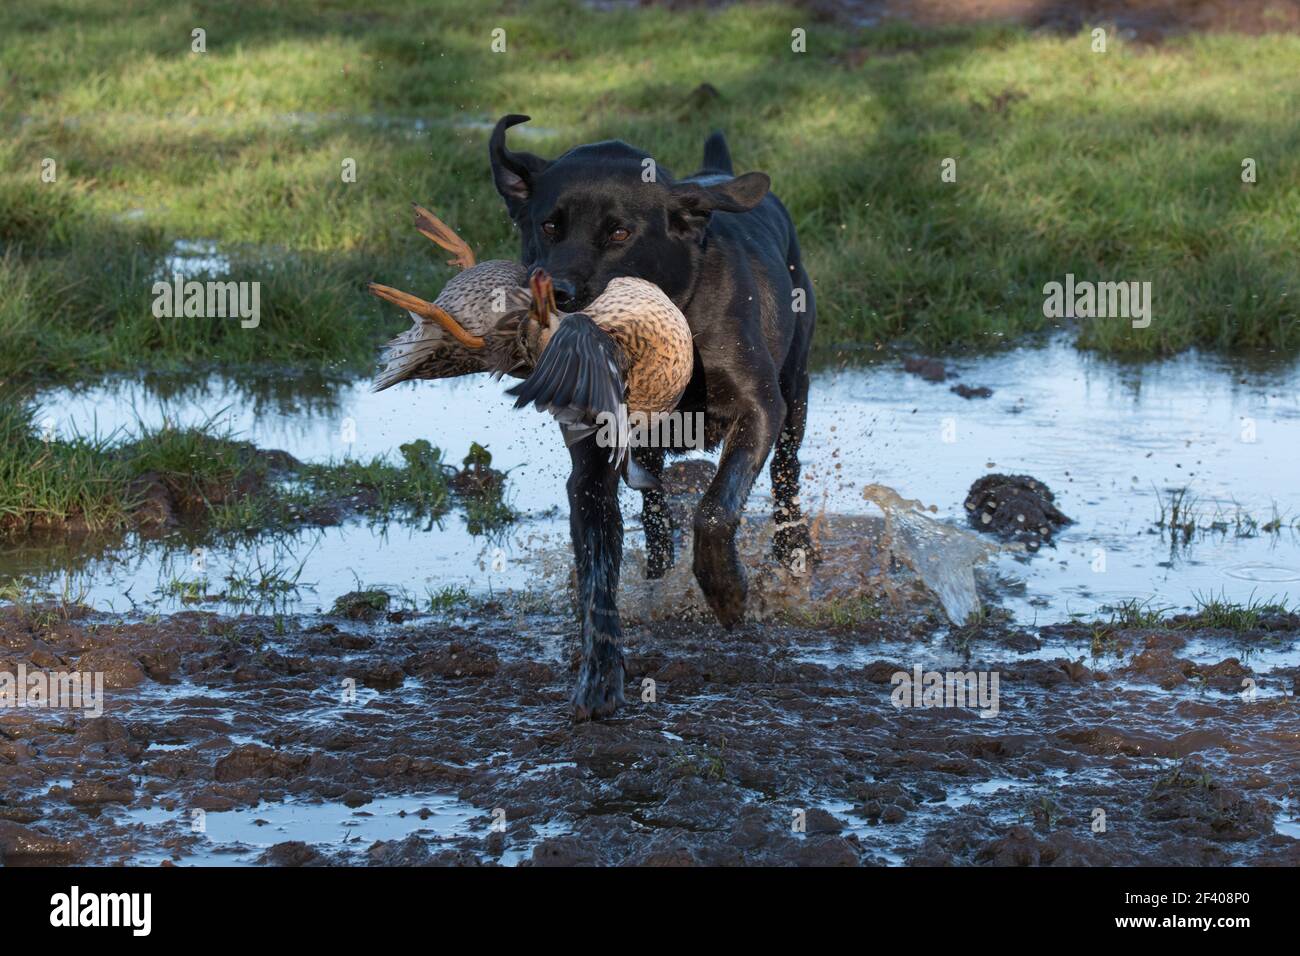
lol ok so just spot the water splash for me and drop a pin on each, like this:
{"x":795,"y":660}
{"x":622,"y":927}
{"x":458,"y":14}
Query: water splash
{"x":943,"y":557}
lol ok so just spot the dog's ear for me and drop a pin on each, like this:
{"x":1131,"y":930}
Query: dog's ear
{"x":692,"y":203}
{"x":513,"y":173}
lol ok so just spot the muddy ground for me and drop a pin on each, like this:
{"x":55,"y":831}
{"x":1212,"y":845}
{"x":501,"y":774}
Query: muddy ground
{"x":749,"y":735}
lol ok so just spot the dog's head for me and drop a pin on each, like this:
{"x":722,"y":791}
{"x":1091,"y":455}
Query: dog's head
{"x":605,"y":210}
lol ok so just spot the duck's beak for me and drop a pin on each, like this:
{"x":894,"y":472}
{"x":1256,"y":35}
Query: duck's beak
{"x":543,"y":304}
{"x":427,"y":310}
{"x":431,"y":227}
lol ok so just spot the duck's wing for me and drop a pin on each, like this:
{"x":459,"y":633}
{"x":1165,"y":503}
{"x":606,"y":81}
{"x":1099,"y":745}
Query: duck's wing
{"x":581,"y":379}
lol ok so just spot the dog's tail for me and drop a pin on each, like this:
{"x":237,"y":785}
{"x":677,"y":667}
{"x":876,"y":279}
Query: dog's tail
{"x":716,"y":154}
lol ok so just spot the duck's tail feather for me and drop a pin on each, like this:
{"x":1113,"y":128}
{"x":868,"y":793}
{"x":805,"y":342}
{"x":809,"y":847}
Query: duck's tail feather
{"x":424,"y":351}
{"x":404,"y":353}
{"x":580,"y":378}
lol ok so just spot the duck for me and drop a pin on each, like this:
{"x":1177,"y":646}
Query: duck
{"x":453,"y":335}
{"x":629,"y":351}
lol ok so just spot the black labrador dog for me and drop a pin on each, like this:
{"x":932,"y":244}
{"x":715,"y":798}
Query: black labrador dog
{"x":723,"y":248}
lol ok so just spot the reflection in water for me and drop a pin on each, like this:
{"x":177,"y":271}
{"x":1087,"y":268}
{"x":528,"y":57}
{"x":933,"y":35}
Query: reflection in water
{"x":1113,"y":440}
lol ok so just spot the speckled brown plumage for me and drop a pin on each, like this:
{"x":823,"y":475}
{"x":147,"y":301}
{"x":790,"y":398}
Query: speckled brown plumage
{"x":651,"y":331}
{"x":478,"y":299}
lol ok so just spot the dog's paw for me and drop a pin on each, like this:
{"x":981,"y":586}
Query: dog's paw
{"x":599,"y":691}
{"x":728,"y":603}
{"x":722,"y":578}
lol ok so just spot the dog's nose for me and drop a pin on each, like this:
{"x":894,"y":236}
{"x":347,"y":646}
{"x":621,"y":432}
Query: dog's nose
{"x":566,"y":294}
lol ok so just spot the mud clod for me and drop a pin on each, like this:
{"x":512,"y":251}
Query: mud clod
{"x":88,"y":793}
{"x":930,"y":369}
{"x":362,"y":605}
{"x":25,"y":846}
{"x":1014,"y":508}
{"x":291,"y":853}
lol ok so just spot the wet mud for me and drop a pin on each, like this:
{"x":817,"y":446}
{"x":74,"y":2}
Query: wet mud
{"x":1014,"y":508}
{"x":405,"y":701}
{"x":445,"y":740}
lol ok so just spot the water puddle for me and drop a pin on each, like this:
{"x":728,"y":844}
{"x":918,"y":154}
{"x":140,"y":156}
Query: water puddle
{"x":190,"y":257}
{"x":1115,"y":442}
{"x":302,"y":572}
{"x":240,"y":837}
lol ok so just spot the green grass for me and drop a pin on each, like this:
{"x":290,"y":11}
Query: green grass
{"x":94,"y":483}
{"x":212,"y":479}
{"x":448,"y":598}
{"x":45,"y":609}
{"x":1183,"y":516}
{"x":1117,"y":166}
{"x":838,"y":611}
{"x":363,"y":604}
{"x":1212,"y":611}
{"x":200,"y":467}
{"x":1135,"y":614}
{"x":55,"y":484}
{"x":1218,"y":612}
{"x":418,"y":487}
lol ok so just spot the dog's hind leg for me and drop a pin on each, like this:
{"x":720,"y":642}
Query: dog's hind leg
{"x":596,"y":526}
{"x":791,"y":544}
{"x":656,"y":519}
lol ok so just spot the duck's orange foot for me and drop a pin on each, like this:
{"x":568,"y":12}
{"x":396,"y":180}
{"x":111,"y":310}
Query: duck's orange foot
{"x":426,"y":310}
{"x":431,"y":227}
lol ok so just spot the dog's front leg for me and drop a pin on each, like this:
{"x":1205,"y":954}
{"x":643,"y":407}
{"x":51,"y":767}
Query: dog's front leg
{"x":596,"y":525}
{"x":718,"y":570}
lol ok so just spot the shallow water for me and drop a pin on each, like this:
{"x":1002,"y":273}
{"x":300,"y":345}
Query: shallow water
{"x":1111,"y":439}
{"x":240,"y":837}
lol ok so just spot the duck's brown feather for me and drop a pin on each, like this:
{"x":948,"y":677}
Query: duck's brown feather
{"x":478,"y":299}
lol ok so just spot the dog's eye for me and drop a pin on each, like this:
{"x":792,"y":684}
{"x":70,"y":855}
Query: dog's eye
{"x":619,"y":235}
{"x":550,"y":228}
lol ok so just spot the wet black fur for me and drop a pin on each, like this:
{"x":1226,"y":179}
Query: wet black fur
{"x":723,"y":248}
